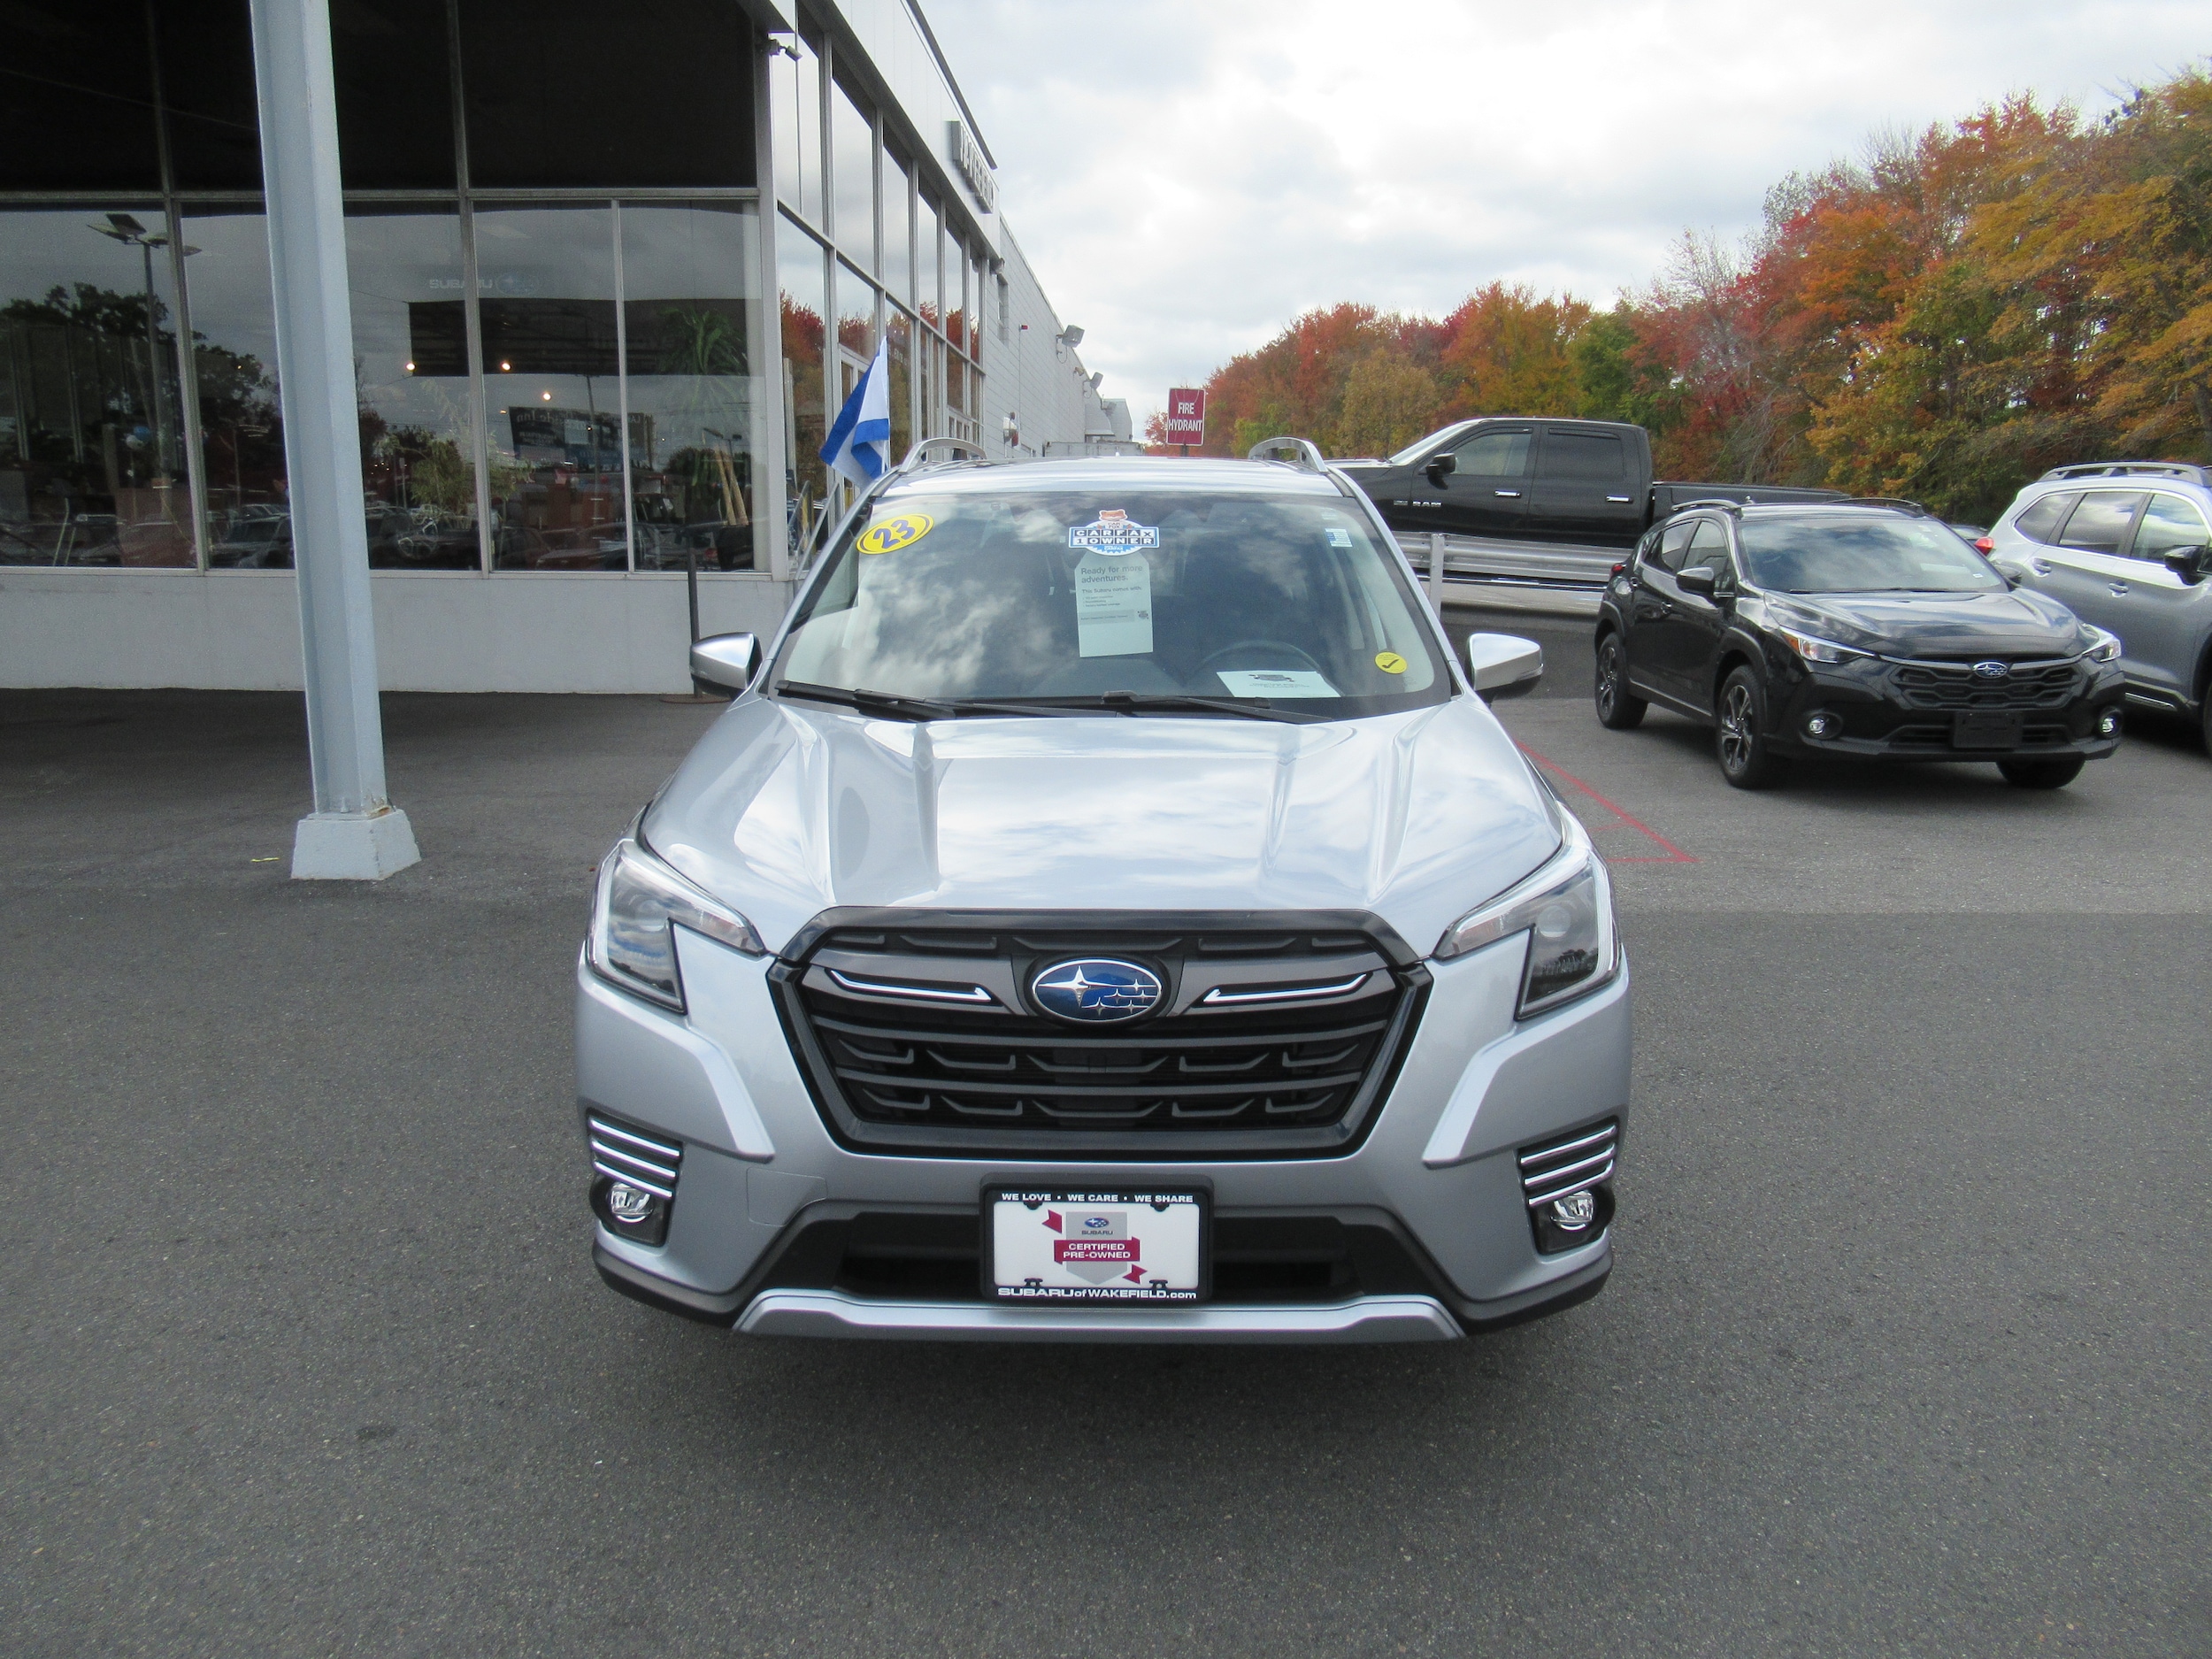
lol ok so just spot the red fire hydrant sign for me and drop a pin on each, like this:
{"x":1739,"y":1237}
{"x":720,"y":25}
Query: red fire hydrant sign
{"x":1186,"y":414}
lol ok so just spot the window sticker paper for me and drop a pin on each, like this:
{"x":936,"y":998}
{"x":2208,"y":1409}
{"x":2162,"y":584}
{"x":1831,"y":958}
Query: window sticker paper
{"x":1390,"y":661}
{"x":1274,"y":682}
{"x":888,"y":536}
{"x":1339,"y":538}
{"x":1113,"y":603}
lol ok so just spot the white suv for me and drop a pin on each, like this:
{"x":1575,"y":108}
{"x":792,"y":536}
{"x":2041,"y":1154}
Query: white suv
{"x":2126,"y":545}
{"x":1111,"y":915}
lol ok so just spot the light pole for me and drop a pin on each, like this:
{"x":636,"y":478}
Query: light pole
{"x":126,"y":229}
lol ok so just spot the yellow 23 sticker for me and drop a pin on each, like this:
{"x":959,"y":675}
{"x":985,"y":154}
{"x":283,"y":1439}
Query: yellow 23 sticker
{"x":1390,"y":661}
{"x":888,"y":536}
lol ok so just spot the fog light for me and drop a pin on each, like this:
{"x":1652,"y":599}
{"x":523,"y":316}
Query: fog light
{"x":1572,"y":1219}
{"x":2109,"y":722}
{"x":628,"y":1204}
{"x":629,"y":1212}
{"x":1574,"y":1212}
{"x":1821,"y":725}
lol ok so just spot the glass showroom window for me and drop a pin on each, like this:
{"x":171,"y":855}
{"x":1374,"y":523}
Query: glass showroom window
{"x":92,"y":453}
{"x":853,"y":181}
{"x":898,"y":242}
{"x":410,"y":344}
{"x":234,"y":371}
{"x":899,"y":337}
{"x":687,"y":297}
{"x":794,"y":100}
{"x":552,"y":388}
{"x":799,"y":266}
{"x":927,"y":259}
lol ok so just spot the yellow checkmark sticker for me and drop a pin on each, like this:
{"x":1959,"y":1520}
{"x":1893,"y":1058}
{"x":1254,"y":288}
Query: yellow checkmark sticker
{"x":1390,"y":661}
{"x":888,"y":536}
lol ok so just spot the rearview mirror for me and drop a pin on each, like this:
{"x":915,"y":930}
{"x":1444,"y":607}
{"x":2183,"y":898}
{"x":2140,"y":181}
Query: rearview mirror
{"x":1696,"y":580}
{"x":1441,"y":466}
{"x":1503,"y":665}
{"x":727,"y":660}
{"x":2190,"y":564}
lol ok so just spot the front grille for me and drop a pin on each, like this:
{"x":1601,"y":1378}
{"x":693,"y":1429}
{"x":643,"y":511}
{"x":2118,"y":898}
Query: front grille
{"x":625,"y":1155}
{"x":1569,"y":1164}
{"x":1955,"y":686}
{"x":1273,"y":1036}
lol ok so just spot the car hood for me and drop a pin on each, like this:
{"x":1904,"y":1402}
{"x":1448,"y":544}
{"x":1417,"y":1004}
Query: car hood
{"x":1939,"y":626}
{"x":785,"y":810}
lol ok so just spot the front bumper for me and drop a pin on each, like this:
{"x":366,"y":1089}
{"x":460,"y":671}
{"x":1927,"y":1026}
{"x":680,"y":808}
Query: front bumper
{"x":1881,"y":718}
{"x":1421,"y":1233}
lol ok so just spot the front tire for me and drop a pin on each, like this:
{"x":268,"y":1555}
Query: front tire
{"x":1739,"y":740}
{"x":1620,"y":709}
{"x":2041,"y":774}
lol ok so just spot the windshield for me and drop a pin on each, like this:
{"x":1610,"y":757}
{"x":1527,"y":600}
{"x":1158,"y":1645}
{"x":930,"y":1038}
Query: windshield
{"x":1284,"y":601}
{"x":1831,"y":554}
{"x":1420,"y":447}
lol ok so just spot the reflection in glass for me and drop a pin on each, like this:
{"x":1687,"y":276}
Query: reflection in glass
{"x":91,"y":440}
{"x":545,"y":278}
{"x":794,"y":96}
{"x":409,"y":346}
{"x":853,"y":149}
{"x":856,"y":324}
{"x":897,"y":251}
{"x":899,"y":336}
{"x":805,"y":423}
{"x":233,"y":363}
{"x":926,"y":264}
{"x":959,"y":320}
{"x":686,"y":274}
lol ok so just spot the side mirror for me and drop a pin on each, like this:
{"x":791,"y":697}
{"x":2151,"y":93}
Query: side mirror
{"x":1697,"y":580}
{"x":1503,"y":665}
{"x":727,"y":660}
{"x":2190,"y":564}
{"x":1442,"y":466}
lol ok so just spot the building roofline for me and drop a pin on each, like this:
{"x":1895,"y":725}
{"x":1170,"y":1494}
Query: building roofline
{"x":951,"y":80}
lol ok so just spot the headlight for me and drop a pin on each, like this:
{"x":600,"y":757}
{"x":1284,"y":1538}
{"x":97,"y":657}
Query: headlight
{"x":640,"y":903}
{"x":2106,"y":649}
{"x":1827,"y":652}
{"x":1566,"y":909}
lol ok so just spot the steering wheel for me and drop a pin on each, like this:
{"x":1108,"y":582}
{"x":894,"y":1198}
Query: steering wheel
{"x":1213,"y":660}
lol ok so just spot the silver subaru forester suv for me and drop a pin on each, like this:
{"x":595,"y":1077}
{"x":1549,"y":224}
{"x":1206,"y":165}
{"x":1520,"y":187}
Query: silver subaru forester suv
{"x":2126,"y":545}
{"x":1106,"y":914}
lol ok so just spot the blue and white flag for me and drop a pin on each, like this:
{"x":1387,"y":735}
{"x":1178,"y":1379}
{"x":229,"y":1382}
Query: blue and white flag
{"x":859,"y":445}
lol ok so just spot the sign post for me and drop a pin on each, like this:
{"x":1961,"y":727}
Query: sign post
{"x":1187,"y":416}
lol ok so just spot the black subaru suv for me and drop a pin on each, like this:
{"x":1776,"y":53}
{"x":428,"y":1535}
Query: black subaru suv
{"x":1862,"y":627}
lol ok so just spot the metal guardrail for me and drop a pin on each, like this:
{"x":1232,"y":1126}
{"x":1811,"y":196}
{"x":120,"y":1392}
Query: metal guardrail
{"x":1535,"y":576}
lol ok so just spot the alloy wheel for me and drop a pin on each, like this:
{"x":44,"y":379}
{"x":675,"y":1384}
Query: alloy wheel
{"x":1735,"y":728}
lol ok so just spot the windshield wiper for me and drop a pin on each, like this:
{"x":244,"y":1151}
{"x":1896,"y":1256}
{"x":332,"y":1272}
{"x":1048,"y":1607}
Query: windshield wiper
{"x":1133,"y":702}
{"x":903,"y":708}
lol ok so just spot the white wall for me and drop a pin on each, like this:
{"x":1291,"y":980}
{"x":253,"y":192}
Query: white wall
{"x":240,"y":630}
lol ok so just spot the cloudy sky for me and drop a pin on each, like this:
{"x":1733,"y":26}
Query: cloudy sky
{"x":1187,"y":175}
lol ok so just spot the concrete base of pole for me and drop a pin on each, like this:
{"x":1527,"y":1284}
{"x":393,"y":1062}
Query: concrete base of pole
{"x":352,"y":845}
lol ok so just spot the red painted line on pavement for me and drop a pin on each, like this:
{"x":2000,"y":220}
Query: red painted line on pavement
{"x":1674,"y":855}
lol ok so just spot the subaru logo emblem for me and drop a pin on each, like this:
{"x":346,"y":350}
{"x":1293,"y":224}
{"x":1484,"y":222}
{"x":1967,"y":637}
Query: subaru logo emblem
{"x":1993,"y":669}
{"x":1092,"y":992}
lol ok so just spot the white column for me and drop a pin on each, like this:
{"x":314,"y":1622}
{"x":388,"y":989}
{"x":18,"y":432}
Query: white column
{"x":354,"y":833}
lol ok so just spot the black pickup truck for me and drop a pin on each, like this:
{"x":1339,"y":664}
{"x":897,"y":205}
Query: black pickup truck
{"x":1565,"y":485}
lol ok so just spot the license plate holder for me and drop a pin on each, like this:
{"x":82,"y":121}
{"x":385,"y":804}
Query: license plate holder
{"x":1058,"y":1247}
{"x":1985,"y":728}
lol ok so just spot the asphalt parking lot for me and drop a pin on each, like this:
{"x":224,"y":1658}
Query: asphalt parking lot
{"x":1906,"y":1350}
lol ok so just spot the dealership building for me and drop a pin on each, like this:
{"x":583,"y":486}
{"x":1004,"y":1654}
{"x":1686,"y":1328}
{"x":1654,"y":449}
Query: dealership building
{"x":611,"y":272}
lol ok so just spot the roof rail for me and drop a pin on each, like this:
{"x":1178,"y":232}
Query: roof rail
{"x":1721,"y":501}
{"x":2186,"y":471}
{"x":1913,"y":507}
{"x":918,"y":456}
{"x":1297,"y":451}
